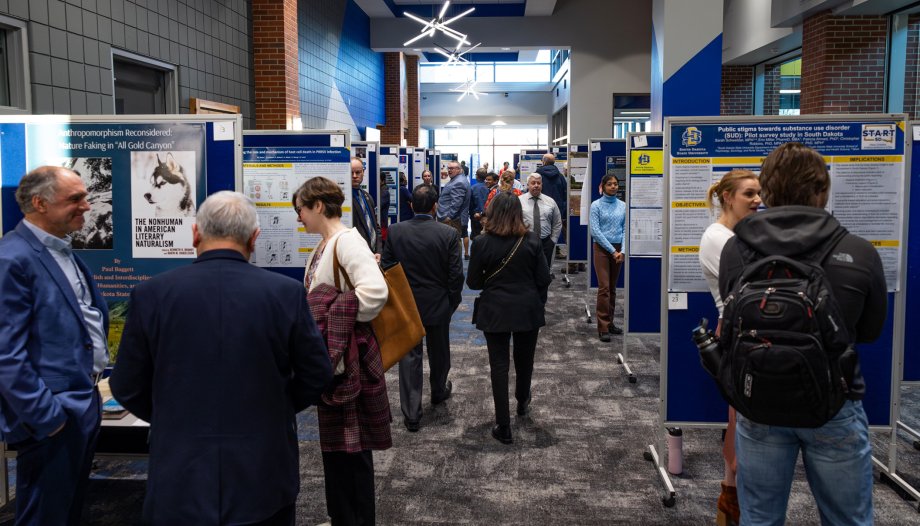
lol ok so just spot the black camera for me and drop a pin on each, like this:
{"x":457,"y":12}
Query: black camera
{"x":708,"y":344}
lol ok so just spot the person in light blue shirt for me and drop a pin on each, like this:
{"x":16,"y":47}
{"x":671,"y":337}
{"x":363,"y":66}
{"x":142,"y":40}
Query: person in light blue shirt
{"x":608,"y":223}
{"x":53,"y":349}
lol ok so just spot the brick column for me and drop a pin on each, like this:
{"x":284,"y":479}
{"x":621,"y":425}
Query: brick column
{"x":843,"y":64}
{"x":394,"y":76}
{"x":737,"y":90}
{"x":275,"y":67}
{"x":412,"y":100}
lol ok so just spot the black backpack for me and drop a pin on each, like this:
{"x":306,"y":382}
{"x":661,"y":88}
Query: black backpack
{"x":784,"y":343}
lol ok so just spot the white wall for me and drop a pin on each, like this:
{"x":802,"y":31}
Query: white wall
{"x":747,"y":37}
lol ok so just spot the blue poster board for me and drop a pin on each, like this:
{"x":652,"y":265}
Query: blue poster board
{"x":644,"y":176}
{"x":862,"y":152}
{"x":138,"y":225}
{"x":607,"y":156}
{"x":912,"y":287}
{"x":368,"y":153}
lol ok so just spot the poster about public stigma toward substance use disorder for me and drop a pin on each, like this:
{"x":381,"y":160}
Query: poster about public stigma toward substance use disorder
{"x":866,"y":163}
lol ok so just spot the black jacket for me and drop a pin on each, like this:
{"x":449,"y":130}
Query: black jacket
{"x":430,"y":255}
{"x":553,"y":186}
{"x":358,"y":221}
{"x":853,"y":268}
{"x":513,"y":300}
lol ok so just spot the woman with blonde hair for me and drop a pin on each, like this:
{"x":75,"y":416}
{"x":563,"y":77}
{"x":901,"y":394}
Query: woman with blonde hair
{"x":505,"y":184}
{"x":738,"y":195}
{"x":346,"y":291}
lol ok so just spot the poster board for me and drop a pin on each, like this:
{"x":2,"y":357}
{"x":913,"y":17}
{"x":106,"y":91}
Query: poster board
{"x":912,"y":286}
{"x":644,"y":209}
{"x":138,"y":226}
{"x":392,"y":162}
{"x":577,"y":174}
{"x":866,"y":160}
{"x":275,"y":164}
{"x":369,"y":152}
{"x":606,"y":156}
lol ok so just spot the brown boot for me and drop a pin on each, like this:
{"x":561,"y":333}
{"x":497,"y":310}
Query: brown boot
{"x":728,"y":512}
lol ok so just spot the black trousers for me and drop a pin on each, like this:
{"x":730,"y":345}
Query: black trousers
{"x":476,"y":227}
{"x":349,"y":488}
{"x":548,"y":246}
{"x":525,"y":344}
{"x":437,"y":338}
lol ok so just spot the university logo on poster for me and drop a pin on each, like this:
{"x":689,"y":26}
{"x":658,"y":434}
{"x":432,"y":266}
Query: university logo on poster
{"x":878,"y":136}
{"x":692,"y":136}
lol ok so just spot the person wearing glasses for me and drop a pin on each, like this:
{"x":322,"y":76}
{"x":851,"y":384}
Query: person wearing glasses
{"x":354,"y":416}
{"x":365,"y":210}
{"x":53,"y":349}
{"x":454,"y":201}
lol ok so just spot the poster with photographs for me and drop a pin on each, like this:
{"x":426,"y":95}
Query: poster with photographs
{"x":98,"y":229}
{"x":163,"y":197}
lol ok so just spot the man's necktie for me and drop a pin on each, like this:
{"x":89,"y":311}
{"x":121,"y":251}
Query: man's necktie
{"x":536,"y":217}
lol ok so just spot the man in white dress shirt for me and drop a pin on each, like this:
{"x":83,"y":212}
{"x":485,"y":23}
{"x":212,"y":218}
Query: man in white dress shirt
{"x":541,"y":215}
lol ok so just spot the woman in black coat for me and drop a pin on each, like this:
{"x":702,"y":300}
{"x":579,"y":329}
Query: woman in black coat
{"x":508,"y":265}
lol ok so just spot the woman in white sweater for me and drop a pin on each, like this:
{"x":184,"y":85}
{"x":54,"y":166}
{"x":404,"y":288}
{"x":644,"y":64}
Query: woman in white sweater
{"x":352,"y":428}
{"x":738,"y":194}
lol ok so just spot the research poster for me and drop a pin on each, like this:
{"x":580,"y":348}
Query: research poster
{"x":866,"y":162}
{"x":271,"y":175}
{"x":578,"y":170}
{"x":646,"y":198}
{"x":529,"y":163}
{"x":145,"y":182}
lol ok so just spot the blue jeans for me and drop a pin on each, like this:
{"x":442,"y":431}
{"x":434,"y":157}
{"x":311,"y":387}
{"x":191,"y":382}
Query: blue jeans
{"x":838,"y":465}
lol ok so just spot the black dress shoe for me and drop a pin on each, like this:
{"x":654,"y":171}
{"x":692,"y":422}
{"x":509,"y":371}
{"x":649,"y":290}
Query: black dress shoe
{"x":412,"y":426}
{"x":604,"y":336}
{"x":613,"y":329}
{"x":524,"y":407}
{"x":447,"y":390}
{"x":502,"y":434}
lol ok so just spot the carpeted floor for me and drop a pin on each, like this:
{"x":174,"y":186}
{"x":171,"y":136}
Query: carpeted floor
{"x":577,"y":458}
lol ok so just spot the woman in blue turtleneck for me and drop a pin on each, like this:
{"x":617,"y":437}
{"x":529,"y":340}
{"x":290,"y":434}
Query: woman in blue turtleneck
{"x":608,"y":222}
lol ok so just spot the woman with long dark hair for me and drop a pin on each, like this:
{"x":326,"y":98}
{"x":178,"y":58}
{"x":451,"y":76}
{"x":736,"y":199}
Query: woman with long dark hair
{"x":508,"y":265}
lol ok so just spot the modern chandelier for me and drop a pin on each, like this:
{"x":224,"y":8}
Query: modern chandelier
{"x":430,"y":27}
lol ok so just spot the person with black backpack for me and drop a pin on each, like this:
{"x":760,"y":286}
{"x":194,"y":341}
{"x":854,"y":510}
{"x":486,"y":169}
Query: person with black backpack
{"x":799,"y":292}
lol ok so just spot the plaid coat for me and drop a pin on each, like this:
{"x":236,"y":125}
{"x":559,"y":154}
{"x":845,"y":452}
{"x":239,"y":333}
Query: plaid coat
{"x":354,"y":414}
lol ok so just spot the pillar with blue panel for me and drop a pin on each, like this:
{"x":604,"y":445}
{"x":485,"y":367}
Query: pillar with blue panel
{"x":686,"y":81}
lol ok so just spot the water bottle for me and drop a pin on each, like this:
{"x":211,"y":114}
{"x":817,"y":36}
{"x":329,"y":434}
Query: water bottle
{"x":708,"y":345}
{"x":675,"y":451}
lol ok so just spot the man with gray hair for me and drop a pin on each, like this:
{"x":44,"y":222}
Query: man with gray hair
{"x":53,"y":349}
{"x":219,"y":356}
{"x":541,"y":215}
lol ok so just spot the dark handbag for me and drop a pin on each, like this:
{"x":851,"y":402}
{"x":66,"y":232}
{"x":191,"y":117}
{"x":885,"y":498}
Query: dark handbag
{"x":505,"y":261}
{"x":398,"y":327}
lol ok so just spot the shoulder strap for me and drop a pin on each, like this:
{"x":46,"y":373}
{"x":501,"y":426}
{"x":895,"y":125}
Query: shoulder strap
{"x":506,"y":259}
{"x":337,"y":268}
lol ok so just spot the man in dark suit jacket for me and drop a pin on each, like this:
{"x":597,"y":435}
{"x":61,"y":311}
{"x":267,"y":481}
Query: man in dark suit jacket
{"x":364,"y":210}
{"x":430,"y":255}
{"x":219,"y":356}
{"x":53,"y":349}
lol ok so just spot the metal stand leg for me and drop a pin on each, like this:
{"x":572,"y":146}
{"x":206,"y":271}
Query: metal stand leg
{"x":630,"y":374}
{"x":896,"y":482}
{"x":587,"y":313}
{"x":911,"y":432}
{"x":671,"y":496}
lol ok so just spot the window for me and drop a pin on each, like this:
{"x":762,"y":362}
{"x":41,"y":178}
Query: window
{"x":777,"y":85}
{"x":143,"y":85}
{"x":492,"y":144}
{"x":15,"y":94}
{"x":484,"y":72}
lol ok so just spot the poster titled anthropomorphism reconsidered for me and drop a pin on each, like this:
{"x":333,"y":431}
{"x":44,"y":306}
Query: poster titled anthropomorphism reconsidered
{"x":271,"y":175}
{"x":866,"y":164}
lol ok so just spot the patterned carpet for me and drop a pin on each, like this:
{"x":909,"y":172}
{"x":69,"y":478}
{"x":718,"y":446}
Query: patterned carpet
{"x":577,"y":458}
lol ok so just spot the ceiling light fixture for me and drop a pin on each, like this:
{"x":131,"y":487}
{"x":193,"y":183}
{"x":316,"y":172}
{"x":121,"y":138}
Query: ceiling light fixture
{"x":468,"y":88}
{"x":455,"y":57}
{"x":498,"y":123}
{"x":430,"y":27}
